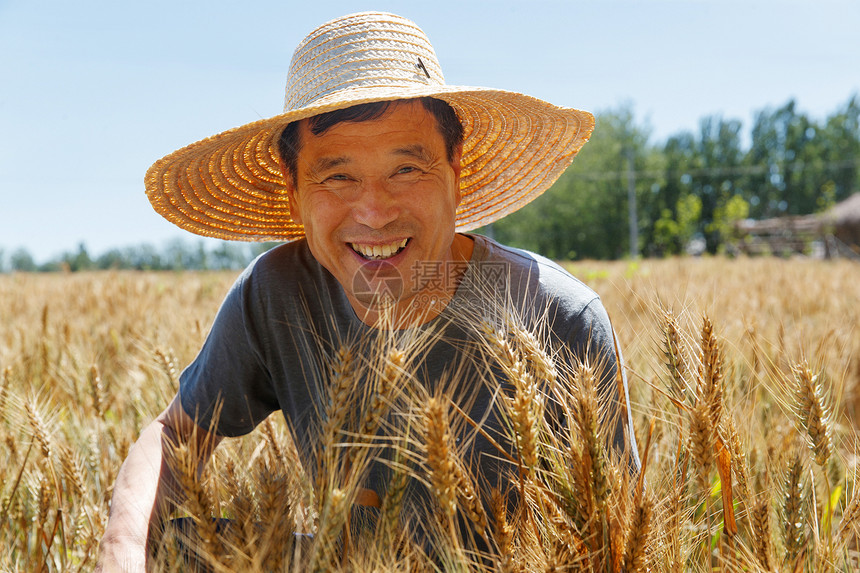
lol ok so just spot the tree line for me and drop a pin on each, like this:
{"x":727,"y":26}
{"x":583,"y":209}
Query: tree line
{"x":691,"y":188}
{"x":622,"y":196}
{"x":176,"y":255}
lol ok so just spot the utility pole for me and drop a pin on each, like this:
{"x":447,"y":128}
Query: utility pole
{"x":631,"y":206}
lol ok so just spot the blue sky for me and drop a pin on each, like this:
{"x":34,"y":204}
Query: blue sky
{"x":93,"y":91}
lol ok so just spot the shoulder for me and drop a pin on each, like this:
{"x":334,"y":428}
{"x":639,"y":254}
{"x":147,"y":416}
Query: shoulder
{"x":536,"y":273}
{"x":293,"y":258}
{"x":286,"y":268}
{"x":274,"y":282}
{"x":541,"y":292}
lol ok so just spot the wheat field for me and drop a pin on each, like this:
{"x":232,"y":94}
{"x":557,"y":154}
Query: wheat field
{"x":744,"y":379}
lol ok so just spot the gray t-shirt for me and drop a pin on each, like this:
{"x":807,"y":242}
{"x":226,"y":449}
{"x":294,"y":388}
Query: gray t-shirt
{"x":286,"y":315}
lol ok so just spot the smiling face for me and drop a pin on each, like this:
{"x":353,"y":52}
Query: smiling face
{"x":377,"y":200}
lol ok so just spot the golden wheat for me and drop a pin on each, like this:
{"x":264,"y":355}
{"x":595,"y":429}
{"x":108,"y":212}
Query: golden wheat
{"x":88,"y":359}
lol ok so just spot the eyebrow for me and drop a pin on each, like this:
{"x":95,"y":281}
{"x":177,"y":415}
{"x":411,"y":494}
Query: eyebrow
{"x":324,"y":163}
{"x":417,"y":151}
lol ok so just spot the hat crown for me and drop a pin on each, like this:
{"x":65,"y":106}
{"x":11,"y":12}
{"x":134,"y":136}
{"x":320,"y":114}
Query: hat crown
{"x":364,"y":51}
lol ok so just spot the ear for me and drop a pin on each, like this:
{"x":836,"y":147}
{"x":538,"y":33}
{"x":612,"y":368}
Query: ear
{"x":295,"y":213}
{"x":457,"y":167}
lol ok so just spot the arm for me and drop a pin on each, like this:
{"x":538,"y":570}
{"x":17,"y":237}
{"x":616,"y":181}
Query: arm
{"x":145,"y":488}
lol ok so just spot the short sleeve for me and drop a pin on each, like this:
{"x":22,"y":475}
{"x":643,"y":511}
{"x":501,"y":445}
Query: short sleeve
{"x":229,"y":372}
{"x":591,"y":339}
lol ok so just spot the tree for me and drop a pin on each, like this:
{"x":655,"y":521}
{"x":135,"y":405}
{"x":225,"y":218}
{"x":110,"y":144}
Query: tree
{"x":840,"y":142}
{"x":719,"y":158}
{"x":584,"y":215}
{"x":673,"y":231}
{"x":726,"y":216}
{"x":112,"y":259}
{"x":672,"y":207}
{"x":21,"y":260}
{"x":79,"y":261}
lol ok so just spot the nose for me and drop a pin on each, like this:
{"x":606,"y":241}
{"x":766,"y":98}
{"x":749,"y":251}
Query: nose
{"x":376,"y":206}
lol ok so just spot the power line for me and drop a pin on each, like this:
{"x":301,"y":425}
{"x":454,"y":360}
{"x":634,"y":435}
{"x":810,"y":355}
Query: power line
{"x":714,"y":171}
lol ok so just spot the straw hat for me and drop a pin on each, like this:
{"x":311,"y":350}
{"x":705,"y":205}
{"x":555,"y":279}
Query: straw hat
{"x":230,"y":186}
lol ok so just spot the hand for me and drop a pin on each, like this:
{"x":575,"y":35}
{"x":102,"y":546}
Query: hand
{"x":121,"y":555}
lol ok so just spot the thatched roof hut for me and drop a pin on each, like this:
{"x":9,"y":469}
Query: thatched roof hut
{"x":844,"y":220}
{"x":795,"y":233}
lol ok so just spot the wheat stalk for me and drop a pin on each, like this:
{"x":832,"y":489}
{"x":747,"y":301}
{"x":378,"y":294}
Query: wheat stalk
{"x":60,"y":470}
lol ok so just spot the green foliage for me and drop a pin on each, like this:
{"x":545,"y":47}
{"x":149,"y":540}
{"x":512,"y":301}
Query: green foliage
{"x":727,"y":214}
{"x":580,"y":216}
{"x":674,"y":230}
{"x":695,"y":184}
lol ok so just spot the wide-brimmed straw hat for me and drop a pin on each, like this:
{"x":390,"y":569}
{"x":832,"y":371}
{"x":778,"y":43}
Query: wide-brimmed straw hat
{"x":230,"y":186}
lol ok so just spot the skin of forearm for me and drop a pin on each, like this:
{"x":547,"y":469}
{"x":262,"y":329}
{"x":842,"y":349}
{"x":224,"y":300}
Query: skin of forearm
{"x":138,"y":494}
{"x":146,"y":492}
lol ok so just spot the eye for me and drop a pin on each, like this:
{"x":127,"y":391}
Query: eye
{"x":407,"y":169}
{"x":337,"y":177}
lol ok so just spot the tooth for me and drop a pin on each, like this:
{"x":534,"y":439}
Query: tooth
{"x":379,"y":251}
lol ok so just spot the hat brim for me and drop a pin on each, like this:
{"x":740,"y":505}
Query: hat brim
{"x":230,"y":186}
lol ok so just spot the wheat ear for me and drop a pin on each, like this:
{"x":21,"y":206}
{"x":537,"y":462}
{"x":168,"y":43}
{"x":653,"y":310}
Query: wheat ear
{"x":337,"y":407}
{"x":813,"y":412}
{"x":525,"y":411}
{"x":503,"y":531}
{"x":635,"y":557}
{"x":639,"y":533}
{"x":470,"y":501}
{"x":443,"y":469}
{"x":761,"y":541}
{"x":587,"y":420}
{"x":702,"y":442}
{"x":276,"y":493}
{"x":793,"y":508}
{"x":675,"y":352}
{"x":4,"y":391}
{"x":710,"y":386}
{"x":97,"y":391}
{"x":391,"y":372}
{"x":40,"y":428}
{"x":331,"y":522}
{"x":72,"y":471}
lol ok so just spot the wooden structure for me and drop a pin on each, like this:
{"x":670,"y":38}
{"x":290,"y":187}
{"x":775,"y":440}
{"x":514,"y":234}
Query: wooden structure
{"x":835,"y":232}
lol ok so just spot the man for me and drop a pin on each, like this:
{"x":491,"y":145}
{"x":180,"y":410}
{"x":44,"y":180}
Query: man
{"x":372,"y":175}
